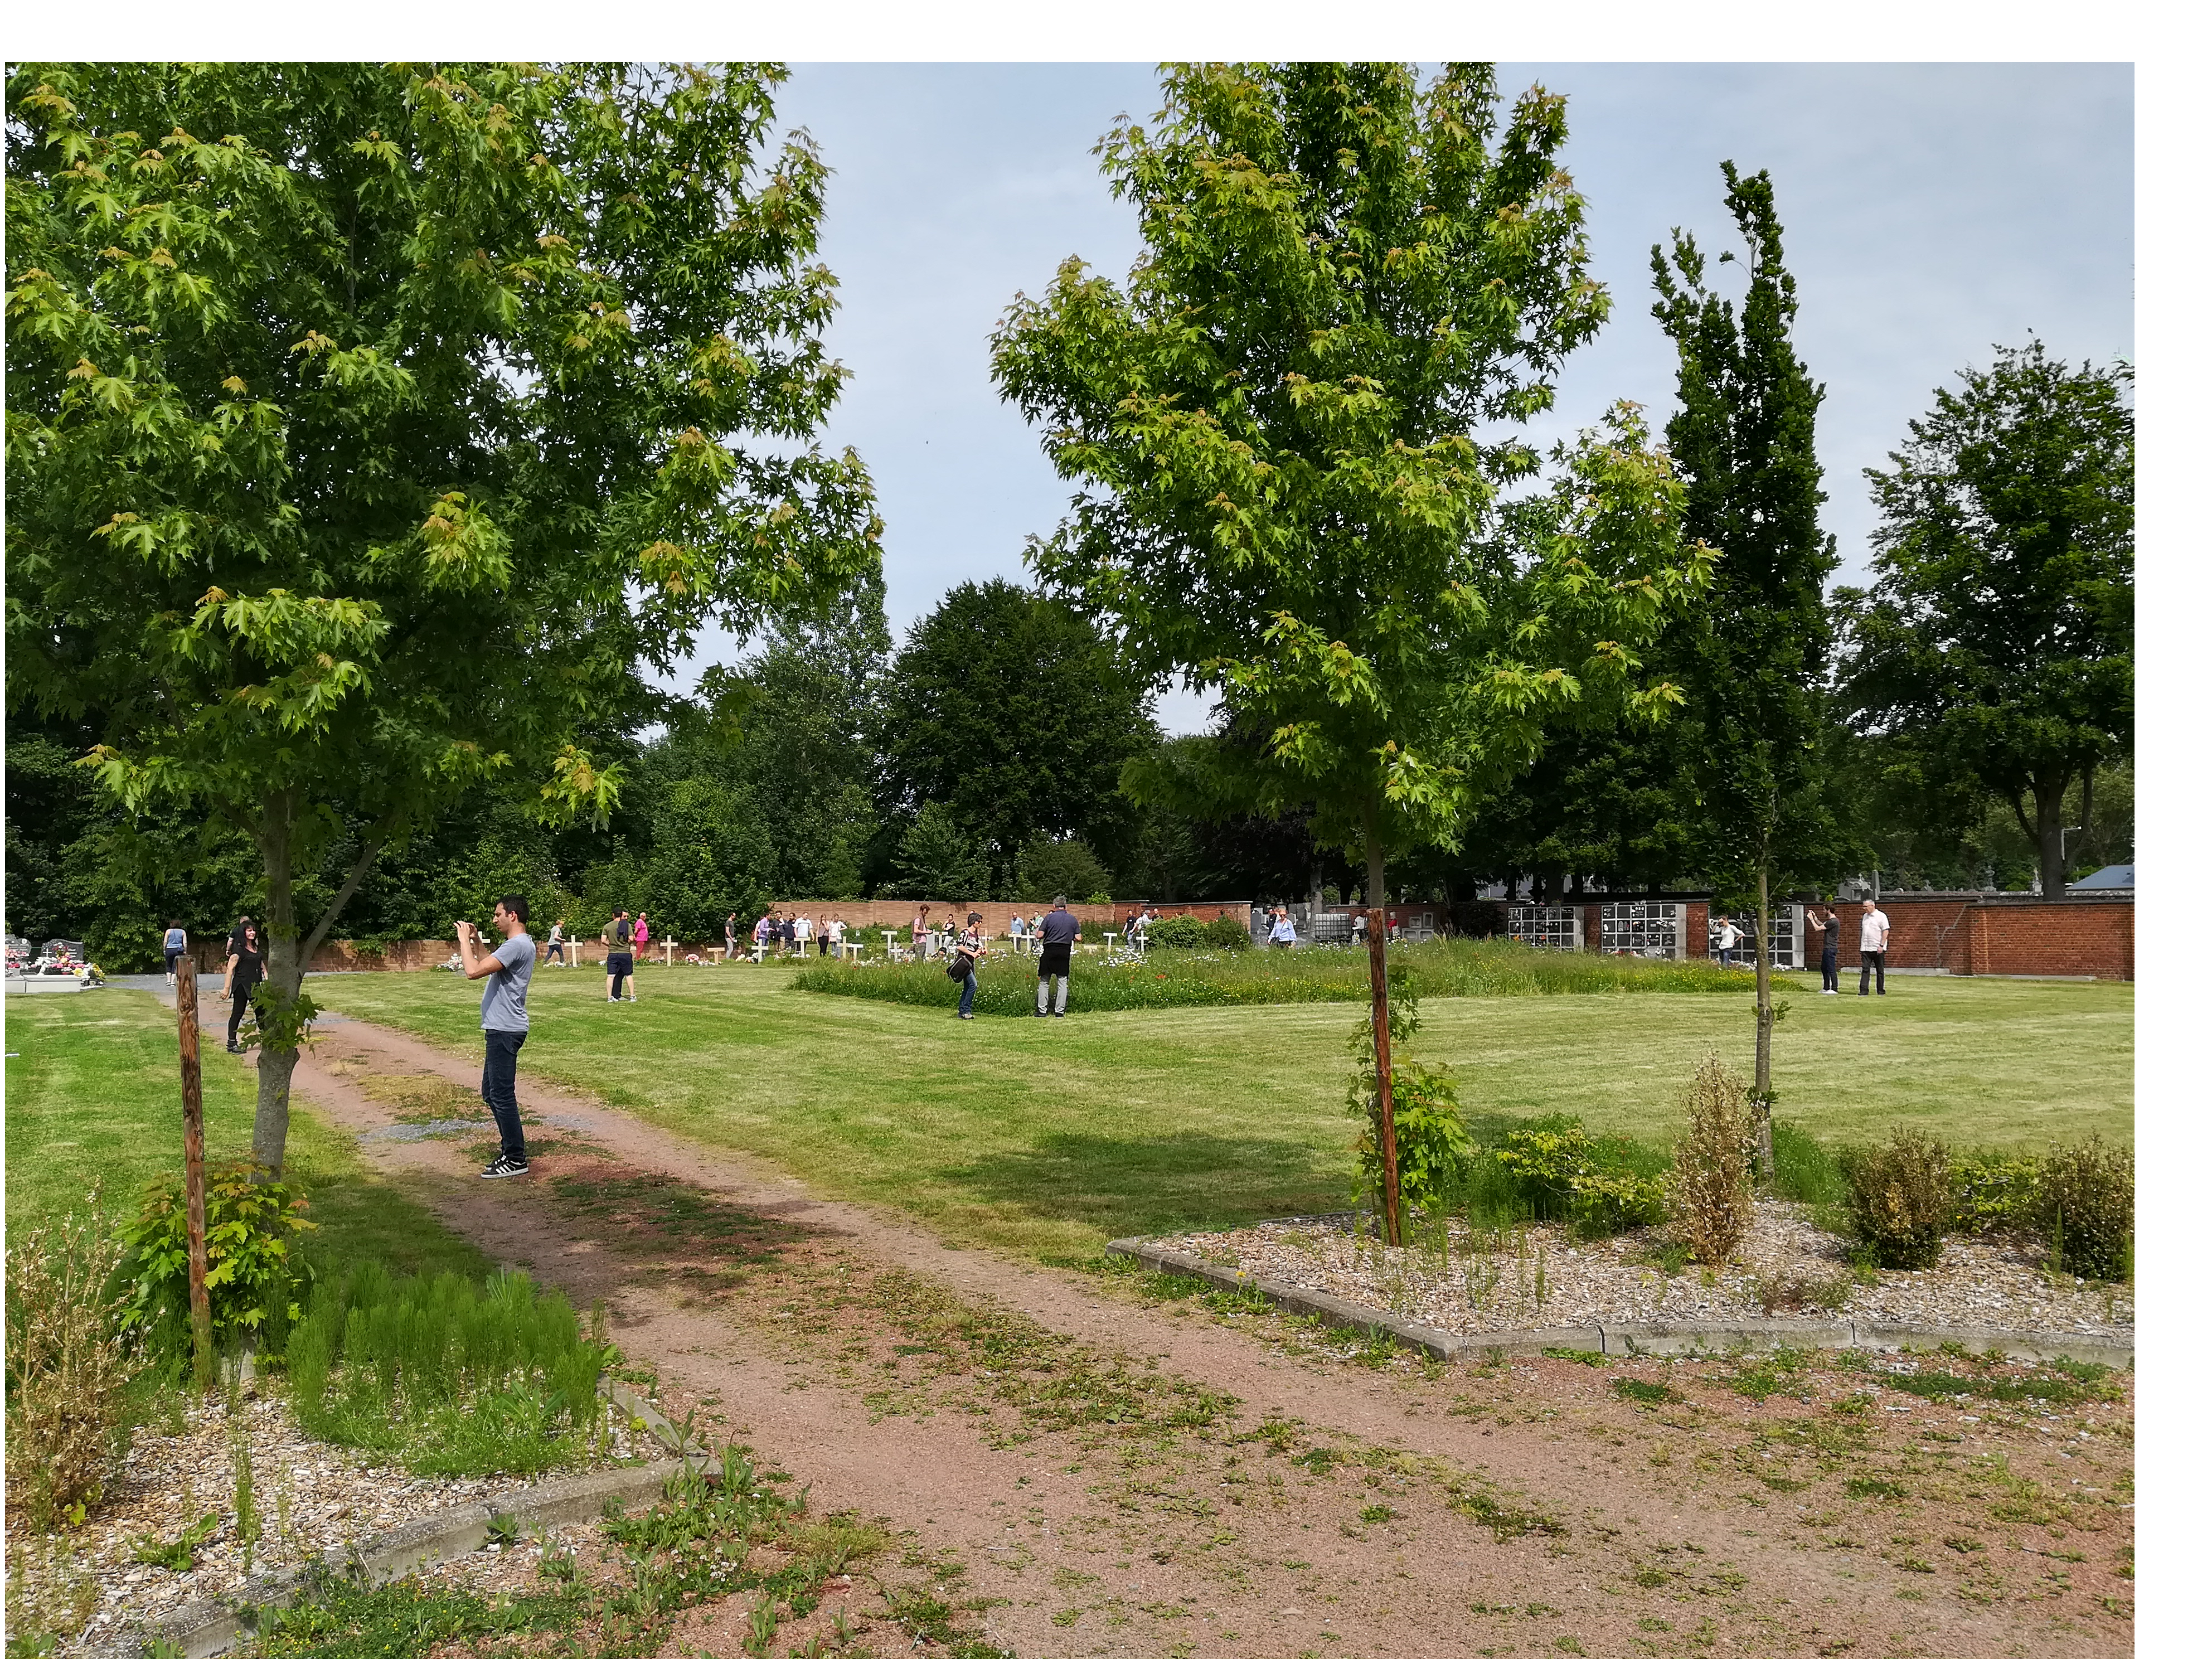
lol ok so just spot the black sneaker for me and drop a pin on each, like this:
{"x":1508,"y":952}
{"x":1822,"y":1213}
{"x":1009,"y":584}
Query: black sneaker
{"x":1060,"y":1013}
{"x":503,"y":1166}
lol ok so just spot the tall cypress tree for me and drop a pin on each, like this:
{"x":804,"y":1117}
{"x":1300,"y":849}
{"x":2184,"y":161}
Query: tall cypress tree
{"x":1755,"y":657}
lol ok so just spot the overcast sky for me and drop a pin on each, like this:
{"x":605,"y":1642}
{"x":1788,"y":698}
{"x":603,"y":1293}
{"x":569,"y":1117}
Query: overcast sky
{"x":1928,"y":213}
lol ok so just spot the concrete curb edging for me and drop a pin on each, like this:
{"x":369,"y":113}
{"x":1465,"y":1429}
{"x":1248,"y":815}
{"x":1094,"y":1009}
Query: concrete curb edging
{"x":213,"y":1624}
{"x":1688,"y":1337}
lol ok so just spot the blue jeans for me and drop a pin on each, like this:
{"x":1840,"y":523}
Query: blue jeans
{"x":967,"y":993}
{"x":501,"y":1048}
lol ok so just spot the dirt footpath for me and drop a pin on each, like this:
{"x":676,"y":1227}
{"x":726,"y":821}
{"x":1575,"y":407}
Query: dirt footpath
{"x":1113,"y":1463}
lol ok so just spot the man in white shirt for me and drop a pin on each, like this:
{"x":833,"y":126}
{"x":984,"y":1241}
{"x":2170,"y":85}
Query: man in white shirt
{"x":1729,"y":935}
{"x":1873,"y":947}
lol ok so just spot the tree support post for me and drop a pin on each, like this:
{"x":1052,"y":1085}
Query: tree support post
{"x":1762,"y":1085}
{"x":188,"y":1060}
{"x":1378,"y":974}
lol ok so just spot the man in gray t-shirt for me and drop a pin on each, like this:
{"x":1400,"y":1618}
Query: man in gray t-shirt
{"x":1057,"y":941}
{"x":505,"y":973}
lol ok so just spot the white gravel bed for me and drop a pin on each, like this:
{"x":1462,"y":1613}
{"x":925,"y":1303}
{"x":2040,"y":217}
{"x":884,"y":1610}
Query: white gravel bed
{"x":311,"y":1496}
{"x":1539,"y":1276}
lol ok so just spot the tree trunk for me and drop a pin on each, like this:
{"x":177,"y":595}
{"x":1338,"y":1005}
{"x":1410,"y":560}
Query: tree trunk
{"x":1378,"y":974}
{"x":1762,"y":1085}
{"x":2051,"y":833}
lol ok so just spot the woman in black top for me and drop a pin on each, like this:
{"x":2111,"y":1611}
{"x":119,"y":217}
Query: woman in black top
{"x":247,"y":968}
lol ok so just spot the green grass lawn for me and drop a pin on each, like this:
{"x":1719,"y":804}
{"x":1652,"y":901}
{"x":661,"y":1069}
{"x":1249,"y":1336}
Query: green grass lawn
{"x":1049,"y":1136}
{"x":93,"y":1094}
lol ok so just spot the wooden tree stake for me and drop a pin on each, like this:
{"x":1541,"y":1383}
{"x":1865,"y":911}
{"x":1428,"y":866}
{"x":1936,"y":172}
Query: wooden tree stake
{"x":188,"y":1055}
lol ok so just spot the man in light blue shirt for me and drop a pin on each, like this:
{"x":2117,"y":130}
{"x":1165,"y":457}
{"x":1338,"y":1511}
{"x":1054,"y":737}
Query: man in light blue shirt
{"x":506,"y":972}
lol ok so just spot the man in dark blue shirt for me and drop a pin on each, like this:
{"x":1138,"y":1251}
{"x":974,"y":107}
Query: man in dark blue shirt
{"x":1055,"y":941}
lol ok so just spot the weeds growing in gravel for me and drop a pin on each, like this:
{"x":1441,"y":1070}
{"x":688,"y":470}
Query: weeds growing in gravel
{"x":68,"y":1368}
{"x":51,"y":1592}
{"x":450,"y":1378}
{"x":2086,"y":1206}
{"x":713,"y":1535}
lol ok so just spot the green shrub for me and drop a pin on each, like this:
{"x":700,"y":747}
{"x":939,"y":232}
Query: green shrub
{"x":1900,"y":1198}
{"x":1228,"y":933}
{"x":2086,"y":1206}
{"x":1995,"y":1193}
{"x":1177,"y":933}
{"x":253,"y":1274}
{"x":449,"y":1377}
{"x":1607,"y":1202}
{"x":1544,"y":1165}
{"x":1433,"y":1148}
{"x":1561,"y":1174}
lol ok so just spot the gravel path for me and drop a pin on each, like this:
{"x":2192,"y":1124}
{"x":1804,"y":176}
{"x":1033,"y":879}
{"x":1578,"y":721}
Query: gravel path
{"x":1540,"y":1276}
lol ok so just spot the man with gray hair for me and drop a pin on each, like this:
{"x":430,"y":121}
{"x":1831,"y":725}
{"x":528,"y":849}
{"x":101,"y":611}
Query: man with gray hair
{"x":1056,"y":942}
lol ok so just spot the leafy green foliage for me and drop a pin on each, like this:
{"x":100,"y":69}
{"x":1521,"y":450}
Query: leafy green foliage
{"x":1898,"y":1195}
{"x":1994,"y":1193}
{"x":1270,"y":425}
{"x":2084,"y":1206}
{"x":1180,"y":933}
{"x":1805,"y":1171}
{"x":254,"y":1270}
{"x":1433,"y":1147}
{"x":939,"y":860}
{"x":377,"y":431}
{"x":1759,"y":743}
{"x":1560,"y":1173}
{"x":1048,"y":868}
{"x":1228,"y":933}
{"x":449,"y":1377}
{"x":1993,"y":657}
{"x":1754,"y":655}
{"x":177,"y":1554}
{"x":706,"y":1539}
{"x":1343,"y":272}
{"x":1007,"y":709}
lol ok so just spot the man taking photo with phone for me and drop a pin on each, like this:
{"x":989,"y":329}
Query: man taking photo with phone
{"x":506,"y":970}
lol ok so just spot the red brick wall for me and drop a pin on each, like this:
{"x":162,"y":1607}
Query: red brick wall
{"x":2090,"y":937}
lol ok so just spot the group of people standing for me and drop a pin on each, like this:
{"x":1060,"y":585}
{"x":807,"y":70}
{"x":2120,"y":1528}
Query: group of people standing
{"x":1054,"y":933}
{"x":1874,"y":946}
{"x":786,"y":935}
